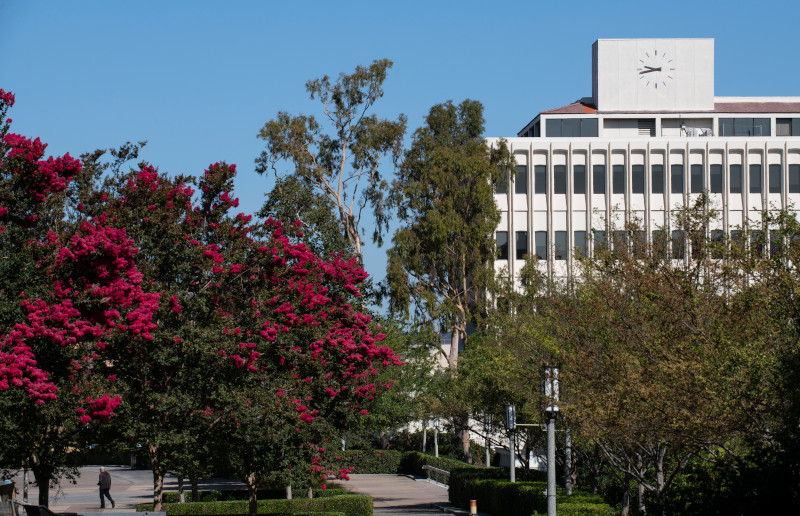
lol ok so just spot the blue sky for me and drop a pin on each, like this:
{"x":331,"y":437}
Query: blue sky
{"x":198,"y":79}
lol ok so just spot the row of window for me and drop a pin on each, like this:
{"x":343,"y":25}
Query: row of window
{"x":657,"y":179}
{"x":588,"y":127}
{"x":676,"y":245}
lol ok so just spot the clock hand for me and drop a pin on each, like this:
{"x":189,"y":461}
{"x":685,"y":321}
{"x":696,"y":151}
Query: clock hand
{"x":649,"y":71}
{"x":654,"y":69}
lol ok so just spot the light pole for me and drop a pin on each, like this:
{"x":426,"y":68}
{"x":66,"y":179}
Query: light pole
{"x":511,"y":425}
{"x":550,"y":391}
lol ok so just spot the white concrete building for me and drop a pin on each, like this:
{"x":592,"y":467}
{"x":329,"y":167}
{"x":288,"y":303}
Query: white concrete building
{"x":650,"y":139}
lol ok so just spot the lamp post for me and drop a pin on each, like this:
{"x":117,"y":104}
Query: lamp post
{"x":550,"y":391}
{"x":511,"y":425}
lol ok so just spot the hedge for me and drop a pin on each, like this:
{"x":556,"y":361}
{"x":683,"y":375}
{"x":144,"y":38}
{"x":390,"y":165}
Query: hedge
{"x":349,"y":505}
{"x":372,"y":461}
{"x":496,"y":495}
{"x":242,"y":494}
{"x":412,"y":463}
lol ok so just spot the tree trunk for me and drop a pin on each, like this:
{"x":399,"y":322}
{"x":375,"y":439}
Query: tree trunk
{"x":181,"y":498}
{"x":384,"y":441}
{"x":660,"y":482}
{"x":289,"y":492}
{"x":626,"y":496}
{"x":252,"y":494}
{"x":159,"y":470}
{"x":310,"y":492}
{"x":641,"y":508}
{"x":195,"y":480}
{"x":567,"y":460}
{"x":463,"y":425}
{"x":43,"y":481}
{"x":453,"y":358}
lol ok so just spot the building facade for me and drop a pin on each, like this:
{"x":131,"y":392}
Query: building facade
{"x":650,"y":140}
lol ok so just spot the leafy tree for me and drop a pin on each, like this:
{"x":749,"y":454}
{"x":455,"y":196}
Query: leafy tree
{"x":78,"y":287}
{"x":441,"y":262}
{"x":294,"y":199}
{"x":344,"y":165}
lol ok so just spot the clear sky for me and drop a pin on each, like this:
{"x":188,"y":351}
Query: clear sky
{"x":198,"y":79}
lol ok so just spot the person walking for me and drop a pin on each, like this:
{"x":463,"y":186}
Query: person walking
{"x":105,"y":485}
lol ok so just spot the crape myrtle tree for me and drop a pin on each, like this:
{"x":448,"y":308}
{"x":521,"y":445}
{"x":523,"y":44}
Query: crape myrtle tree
{"x":345,"y":164}
{"x":168,"y":382}
{"x":442,"y":259}
{"x":302,"y":359}
{"x":77,"y":287}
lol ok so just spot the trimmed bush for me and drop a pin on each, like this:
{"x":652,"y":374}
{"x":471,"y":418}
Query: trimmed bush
{"x":372,"y":461}
{"x":241,"y":494}
{"x":412,"y":463}
{"x":349,"y":505}
{"x":496,"y":495}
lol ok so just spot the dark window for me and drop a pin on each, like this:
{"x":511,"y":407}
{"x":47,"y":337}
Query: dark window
{"x":502,"y":186}
{"x":676,"y":179}
{"x":755,"y":178}
{"x":521,"y":181}
{"x":639,"y":244}
{"x":600,"y":242}
{"x":522,"y":245}
{"x":677,"y":245}
{"x":775,"y":243}
{"x":660,"y":243}
{"x":541,"y":244}
{"x":560,"y":179}
{"x":502,"y":245}
{"x":716,"y":179}
{"x":540,"y":179}
{"x":757,"y":244}
{"x":744,"y":127}
{"x":599,"y":179}
{"x":580,"y":242}
{"x":794,"y":178}
{"x":717,"y":243}
{"x":579,"y":179}
{"x":637,"y":179}
{"x":571,"y":127}
{"x":735,"y":178}
{"x":618,"y":179}
{"x":775,"y":179}
{"x":657,"y":179}
{"x":737,"y":240}
{"x":552,"y":128}
{"x":560,"y":245}
{"x":620,"y":240}
{"x":696,"y":172}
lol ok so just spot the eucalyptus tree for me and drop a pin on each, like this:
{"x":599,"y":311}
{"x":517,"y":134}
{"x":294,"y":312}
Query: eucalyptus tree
{"x":345,"y":164}
{"x":441,"y":262}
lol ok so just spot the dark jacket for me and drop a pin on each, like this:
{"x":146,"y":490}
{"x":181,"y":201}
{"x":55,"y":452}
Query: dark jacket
{"x":105,"y":480}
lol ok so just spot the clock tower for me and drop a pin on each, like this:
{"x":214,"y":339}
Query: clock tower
{"x":653,"y":74}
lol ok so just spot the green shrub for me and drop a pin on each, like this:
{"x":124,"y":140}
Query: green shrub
{"x":241,"y":494}
{"x":412,"y":463}
{"x":371,"y":461}
{"x":349,"y":505}
{"x":496,"y":495}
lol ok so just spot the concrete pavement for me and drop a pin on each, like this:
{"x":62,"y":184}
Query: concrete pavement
{"x":393,"y":495}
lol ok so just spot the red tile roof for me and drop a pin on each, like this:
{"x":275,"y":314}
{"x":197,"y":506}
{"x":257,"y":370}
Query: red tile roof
{"x":757,"y":107}
{"x":576,"y":108}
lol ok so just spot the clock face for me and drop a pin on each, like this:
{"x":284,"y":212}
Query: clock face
{"x":656,"y":69}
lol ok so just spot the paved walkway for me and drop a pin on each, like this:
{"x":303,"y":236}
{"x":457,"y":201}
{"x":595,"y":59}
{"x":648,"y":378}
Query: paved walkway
{"x":394,"y":495}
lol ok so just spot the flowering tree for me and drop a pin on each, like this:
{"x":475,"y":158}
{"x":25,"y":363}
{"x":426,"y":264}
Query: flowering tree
{"x":303,"y":358}
{"x":75,"y":288}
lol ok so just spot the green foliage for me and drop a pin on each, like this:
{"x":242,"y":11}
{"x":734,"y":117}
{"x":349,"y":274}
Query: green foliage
{"x":350,"y":505}
{"x":496,"y":495}
{"x":372,"y":461}
{"x":263,"y":492}
{"x":345,"y":164}
{"x":412,"y":463}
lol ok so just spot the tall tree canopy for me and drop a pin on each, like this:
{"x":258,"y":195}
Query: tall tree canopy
{"x":345,"y":165}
